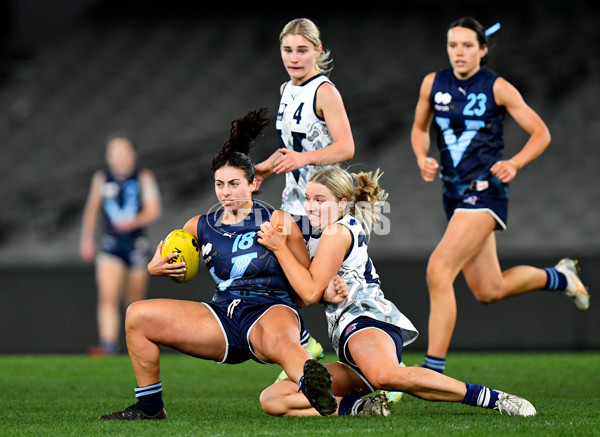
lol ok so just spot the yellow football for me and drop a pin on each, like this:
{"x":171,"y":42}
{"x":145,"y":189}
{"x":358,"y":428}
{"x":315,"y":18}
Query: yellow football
{"x":188,"y":250}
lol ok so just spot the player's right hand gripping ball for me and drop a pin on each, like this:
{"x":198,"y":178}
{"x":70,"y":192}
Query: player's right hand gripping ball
{"x":188,"y":250}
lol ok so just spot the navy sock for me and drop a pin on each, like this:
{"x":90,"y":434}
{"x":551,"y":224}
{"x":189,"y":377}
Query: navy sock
{"x":434,"y":363}
{"x":347,"y":405}
{"x":150,"y":398}
{"x":110,"y":347}
{"x":556,"y":280}
{"x":304,"y":336}
{"x":480,"y":396}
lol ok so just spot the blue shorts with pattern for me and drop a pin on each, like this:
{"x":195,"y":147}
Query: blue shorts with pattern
{"x":497,"y":207}
{"x":486,"y":193}
{"x":133,"y":251}
{"x":237,"y":315}
{"x":393,"y":331}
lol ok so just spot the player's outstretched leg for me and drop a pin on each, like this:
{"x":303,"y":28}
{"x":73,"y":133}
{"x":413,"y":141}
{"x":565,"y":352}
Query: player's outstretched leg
{"x":315,"y":350}
{"x":315,"y":383}
{"x":134,"y":412}
{"x":575,"y":288}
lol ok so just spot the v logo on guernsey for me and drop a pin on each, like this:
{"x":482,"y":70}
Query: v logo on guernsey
{"x":240,"y":264}
{"x":457,"y":146}
{"x":128,"y":206}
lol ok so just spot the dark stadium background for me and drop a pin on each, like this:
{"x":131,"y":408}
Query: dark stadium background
{"x":174,"y":73}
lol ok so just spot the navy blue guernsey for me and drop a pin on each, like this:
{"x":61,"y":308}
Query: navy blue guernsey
{"x":237,"y":262}
{"x":121,"y":200}
{"x":470,"y":129}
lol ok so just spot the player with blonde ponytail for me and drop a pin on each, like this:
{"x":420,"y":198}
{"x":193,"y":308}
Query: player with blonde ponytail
{"x":363,"y":190}
{"x":366,"y":330}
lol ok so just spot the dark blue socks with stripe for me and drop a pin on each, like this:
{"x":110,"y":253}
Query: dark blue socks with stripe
{"x":434,"y":363}
{"x":556,"y":280}
{"x":150,"y":398}
{"x":480,"y":396}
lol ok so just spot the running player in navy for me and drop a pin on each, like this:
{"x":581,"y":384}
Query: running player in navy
{"x":312,"y":126}
{"x":366,"y":330}
{"x":467,"y":103}
{"x":252,"y":314}
{"x":129,"y":200}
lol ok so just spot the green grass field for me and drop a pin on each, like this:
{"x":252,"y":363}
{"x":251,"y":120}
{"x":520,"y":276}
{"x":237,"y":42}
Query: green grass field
{"x":64,"y":395}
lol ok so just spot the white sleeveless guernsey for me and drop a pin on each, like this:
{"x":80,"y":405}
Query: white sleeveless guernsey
{"x":300,"y":129}
{"x":365,"y":297}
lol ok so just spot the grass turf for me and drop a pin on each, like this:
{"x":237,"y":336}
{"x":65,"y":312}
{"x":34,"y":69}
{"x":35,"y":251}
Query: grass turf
{"x":64,"y":395}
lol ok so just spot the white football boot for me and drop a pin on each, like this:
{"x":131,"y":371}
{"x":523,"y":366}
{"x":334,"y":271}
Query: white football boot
{"x":514,"y":405}
{"x":377,"y":405}
{"x":575,"y":288}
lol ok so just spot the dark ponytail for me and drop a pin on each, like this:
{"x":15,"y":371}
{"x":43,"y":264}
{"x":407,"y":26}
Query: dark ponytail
{"x":234,"y":152}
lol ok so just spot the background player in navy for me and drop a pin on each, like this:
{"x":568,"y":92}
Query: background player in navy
{"x":312,"y":125}
{"x":366,"y":330}
{"x":252,"y":314}
{"x":129,"y":200}
{"x":468,"y":103}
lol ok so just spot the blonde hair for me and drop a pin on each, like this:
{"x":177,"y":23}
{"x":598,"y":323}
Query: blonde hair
{"x":310,"y":31}
{"x":362,"y":191}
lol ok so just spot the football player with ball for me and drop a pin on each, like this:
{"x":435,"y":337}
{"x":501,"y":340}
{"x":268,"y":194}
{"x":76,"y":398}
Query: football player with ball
{"x":253,"y":314}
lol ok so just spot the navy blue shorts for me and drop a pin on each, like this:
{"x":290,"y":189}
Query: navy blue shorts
{"x":237,"y":315}
{"x":393,"y":331}
{"x":477,"y":201}
{"x":134,"y":252}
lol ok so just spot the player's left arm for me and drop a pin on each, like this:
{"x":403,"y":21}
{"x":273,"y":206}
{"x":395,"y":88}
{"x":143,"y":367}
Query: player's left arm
{"x":284,"y":232}
{"x":420,"y":132}
{"x":151,"y":201}
{"x":330,"y":106}
{"x":309,"y":283}
{"x":264,"y":169}
{"x":294,"y":240}
{"x":89,"y":223}
{"x":508,"y":96}
{"x":151,"y":204}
